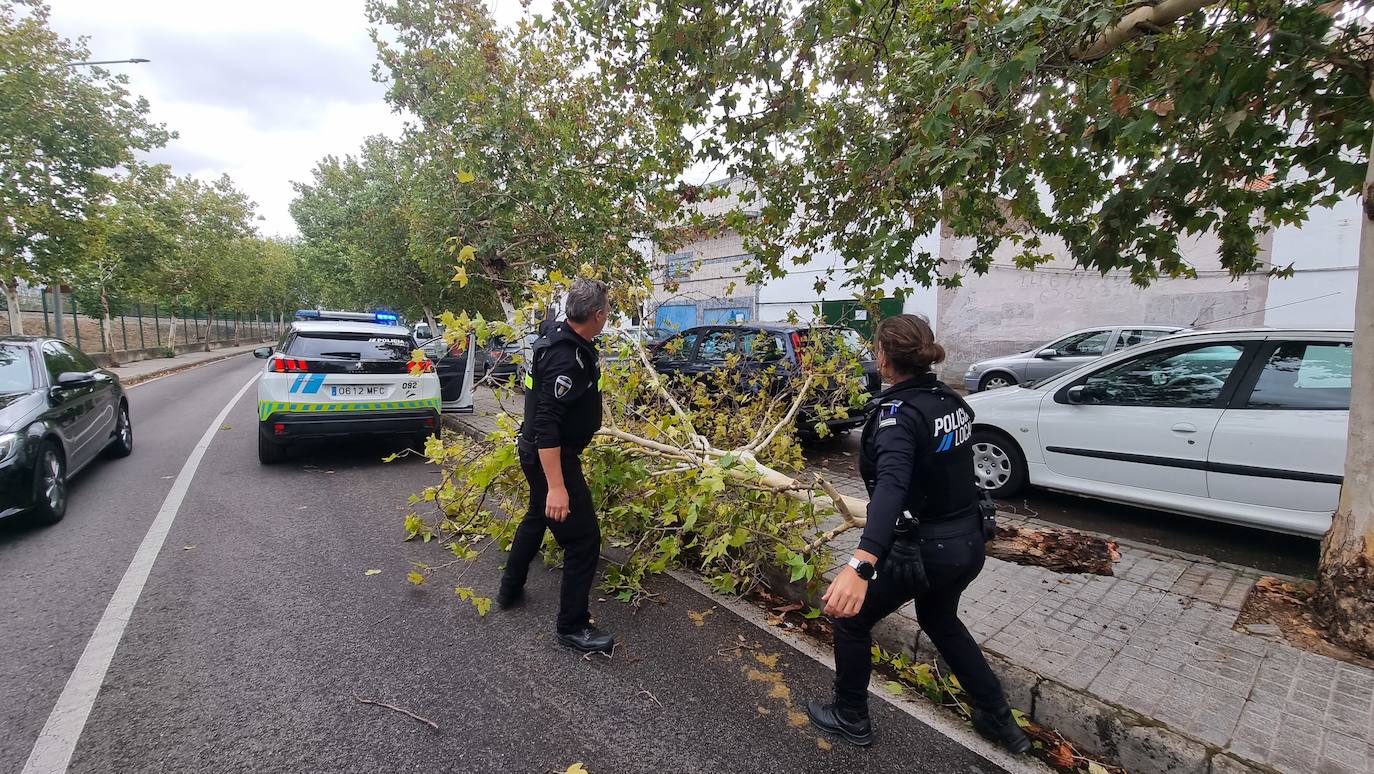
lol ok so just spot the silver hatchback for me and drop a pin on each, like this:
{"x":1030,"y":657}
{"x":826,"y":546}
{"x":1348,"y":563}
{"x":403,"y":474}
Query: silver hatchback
{"x":1059,"y":355}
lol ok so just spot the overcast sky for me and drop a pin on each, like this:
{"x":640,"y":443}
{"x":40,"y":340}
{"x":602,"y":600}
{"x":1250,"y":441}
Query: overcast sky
{"x":260,"y":89}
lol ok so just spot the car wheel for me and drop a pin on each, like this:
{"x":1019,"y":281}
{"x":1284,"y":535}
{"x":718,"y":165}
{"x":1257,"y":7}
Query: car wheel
{"x":998,"y":464}
{"x":123,"y":443}
{"x":996,"y":380}
{"x":270,"y":452}
{"x":50,"y":485}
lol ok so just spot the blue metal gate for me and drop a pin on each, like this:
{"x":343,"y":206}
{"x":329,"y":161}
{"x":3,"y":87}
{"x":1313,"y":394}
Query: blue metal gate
{"x":677,"y":317}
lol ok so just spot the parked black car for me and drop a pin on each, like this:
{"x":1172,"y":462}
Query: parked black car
{"x":501,"y":360}
{"x":58,"y":413}
{"x":706,"y":348}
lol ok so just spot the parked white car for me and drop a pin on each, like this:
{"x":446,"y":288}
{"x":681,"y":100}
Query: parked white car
{"x":1243,"y":426}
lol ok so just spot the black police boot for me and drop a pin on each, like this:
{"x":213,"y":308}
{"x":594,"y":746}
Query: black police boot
{"x":854,"y":728}
{"x":509,"y":596}
{"x":588,"y":639}
{"x":1000,"y":726}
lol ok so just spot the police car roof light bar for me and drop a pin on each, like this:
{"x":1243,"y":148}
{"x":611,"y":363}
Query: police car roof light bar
{"x":382,"y":318}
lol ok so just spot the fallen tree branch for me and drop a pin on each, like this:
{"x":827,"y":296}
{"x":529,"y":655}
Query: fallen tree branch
{"x":1059,"y":550}
{"x":791,"y":416}
{"x":401,"y":710}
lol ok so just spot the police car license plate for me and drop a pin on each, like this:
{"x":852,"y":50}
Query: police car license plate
{"x":357,"y":390}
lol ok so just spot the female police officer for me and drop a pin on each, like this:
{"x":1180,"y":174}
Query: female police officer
{"x":923,"y":539}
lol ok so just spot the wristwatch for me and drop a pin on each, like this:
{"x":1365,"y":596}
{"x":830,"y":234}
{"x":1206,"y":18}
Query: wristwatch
{"x":865,"y":569}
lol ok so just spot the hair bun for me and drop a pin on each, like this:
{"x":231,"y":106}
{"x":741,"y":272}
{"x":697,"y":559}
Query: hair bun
{"x":908,"y":343}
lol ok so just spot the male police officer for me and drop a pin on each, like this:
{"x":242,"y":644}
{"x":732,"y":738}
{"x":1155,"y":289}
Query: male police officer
{"x":562,"y":413}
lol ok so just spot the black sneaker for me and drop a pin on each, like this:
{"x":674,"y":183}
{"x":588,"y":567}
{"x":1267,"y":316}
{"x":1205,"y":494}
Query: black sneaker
{"x":1001,"y":727}
{"x":826,"y":717}
{"x":588,"y":639}
{"x":507,"y":597}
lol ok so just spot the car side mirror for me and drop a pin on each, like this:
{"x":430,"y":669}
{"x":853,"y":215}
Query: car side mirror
{"x":1077,"y":395}
{"x":1047,"y":354}
{"x":262,"y":353}
{"x":68,"y":379}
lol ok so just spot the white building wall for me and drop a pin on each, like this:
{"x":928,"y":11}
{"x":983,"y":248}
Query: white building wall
{"x":796,"y":292}
{"x":1325,"y":253}
{"x":1011,"y":310}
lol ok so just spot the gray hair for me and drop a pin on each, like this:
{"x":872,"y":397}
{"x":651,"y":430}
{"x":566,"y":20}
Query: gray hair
{"x":586,"y":298}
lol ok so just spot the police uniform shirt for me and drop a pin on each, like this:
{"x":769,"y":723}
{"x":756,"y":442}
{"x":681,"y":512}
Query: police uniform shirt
{"x":915,"y":458}
{"x":563,"y":404}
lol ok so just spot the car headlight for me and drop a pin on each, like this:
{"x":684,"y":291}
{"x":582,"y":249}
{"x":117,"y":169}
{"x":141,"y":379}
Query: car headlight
{"x":9,"y":445}
{"x":973,"y":369}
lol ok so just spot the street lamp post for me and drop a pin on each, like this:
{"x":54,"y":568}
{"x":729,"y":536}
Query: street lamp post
{"x":108,"y":61}
{"x":57,"y":310}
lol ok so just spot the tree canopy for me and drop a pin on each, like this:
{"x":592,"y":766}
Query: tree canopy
{"x":531,"y":161}
{"x":866,"y":124}
{"x":62,"y":129}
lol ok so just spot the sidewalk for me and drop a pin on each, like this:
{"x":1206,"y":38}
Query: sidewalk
{"x":143,"y":370}
{"x":1143,"y":667}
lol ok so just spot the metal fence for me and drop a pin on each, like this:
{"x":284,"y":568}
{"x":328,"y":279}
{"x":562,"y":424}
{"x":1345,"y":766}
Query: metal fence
{"x":145,"y":326}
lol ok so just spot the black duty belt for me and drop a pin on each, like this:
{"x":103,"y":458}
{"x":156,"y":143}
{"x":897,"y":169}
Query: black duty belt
{"x":942,"y":529}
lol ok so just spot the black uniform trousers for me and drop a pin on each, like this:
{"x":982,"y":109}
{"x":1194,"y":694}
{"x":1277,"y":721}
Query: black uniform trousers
{"x":951,"y":564}
{"x":579,"y":535}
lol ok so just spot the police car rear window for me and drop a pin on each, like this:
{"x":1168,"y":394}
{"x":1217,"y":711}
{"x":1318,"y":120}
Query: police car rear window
{"x":351,"y":346}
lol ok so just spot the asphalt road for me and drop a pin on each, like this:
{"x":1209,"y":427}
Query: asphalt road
{"x":259,"y":628}
{"x":1267,"y":551}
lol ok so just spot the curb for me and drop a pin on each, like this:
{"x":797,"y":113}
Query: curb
{"x":1140,"y":744}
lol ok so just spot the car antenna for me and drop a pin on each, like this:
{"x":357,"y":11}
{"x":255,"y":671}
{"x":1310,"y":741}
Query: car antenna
{"x":1268,"y":308}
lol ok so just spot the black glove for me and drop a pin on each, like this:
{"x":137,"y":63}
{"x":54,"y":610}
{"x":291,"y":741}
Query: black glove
{"x":903,"y":565}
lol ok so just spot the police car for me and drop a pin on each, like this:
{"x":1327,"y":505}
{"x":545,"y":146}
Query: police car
{"x":344,"y":374}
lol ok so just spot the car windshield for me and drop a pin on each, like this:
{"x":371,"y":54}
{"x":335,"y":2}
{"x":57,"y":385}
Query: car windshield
{"x":351,"y":346}
{"x":836,"y":341}
{"x":16,"y":370}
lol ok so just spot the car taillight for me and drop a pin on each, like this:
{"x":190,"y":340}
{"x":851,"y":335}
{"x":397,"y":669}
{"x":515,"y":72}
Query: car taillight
{"x":283,"y":365}
{"x":420,"y":366}
{"x":797,"y":343}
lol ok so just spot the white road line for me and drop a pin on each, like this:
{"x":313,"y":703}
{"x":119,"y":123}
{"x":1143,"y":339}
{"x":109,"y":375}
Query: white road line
{"x":52,"y":752}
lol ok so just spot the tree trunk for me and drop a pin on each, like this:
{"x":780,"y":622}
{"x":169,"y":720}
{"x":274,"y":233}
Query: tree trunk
{"x":16,"y":315}
{"x":503,"y":293}
{"x":209,"y":327}
{"x":172,"y":329}
{"x":1345,"y":576}
{"x":106,"y":327}
{"x":237,"y":339}
{"x":429,"y":320}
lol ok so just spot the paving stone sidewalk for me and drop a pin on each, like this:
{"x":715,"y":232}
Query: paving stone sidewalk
{"x":1145,"y":666}
{"x":143,"y":370}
